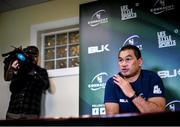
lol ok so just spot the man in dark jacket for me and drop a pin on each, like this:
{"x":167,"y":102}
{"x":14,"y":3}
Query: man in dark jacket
{"x":28,"y":82}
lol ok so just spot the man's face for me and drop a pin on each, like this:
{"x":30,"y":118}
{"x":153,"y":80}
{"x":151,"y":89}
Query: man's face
{"x":129,"y":64}
{"x":35,"y":60}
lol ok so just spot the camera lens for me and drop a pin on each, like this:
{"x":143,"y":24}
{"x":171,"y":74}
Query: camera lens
{"x":21,"y":57}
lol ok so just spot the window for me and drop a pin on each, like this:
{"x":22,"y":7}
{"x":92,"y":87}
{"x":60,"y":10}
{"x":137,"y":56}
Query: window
{"x":61,"y":49}
{"x":58,"y":42}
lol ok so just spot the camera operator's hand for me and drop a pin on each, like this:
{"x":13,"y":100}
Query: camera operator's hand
{"x":15,"y":65}
{"x":10,"y":70}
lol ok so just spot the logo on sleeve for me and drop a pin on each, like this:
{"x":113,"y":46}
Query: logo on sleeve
{"x":157,"y":90}
{"x":123,"y":100}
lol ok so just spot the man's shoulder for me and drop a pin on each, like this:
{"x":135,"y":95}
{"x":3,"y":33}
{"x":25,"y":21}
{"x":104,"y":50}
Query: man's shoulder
{"x":150,"y":73}
{"x":39,"y":68}
{"x":110,"y":81}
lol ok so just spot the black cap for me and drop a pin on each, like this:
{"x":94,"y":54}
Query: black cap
{"x":31,"y":50}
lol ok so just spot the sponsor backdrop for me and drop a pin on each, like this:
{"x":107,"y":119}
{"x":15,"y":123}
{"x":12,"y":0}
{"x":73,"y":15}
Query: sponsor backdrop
{"x":105,"y":26}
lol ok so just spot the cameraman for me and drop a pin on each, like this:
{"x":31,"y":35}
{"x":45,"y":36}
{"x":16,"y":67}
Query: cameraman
{"x":28,"y":82}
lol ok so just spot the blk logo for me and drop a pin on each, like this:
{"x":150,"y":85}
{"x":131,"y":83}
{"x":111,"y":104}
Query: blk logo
{"x":98,"y":49}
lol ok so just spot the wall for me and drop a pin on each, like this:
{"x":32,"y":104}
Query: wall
{"x":15,"y":31}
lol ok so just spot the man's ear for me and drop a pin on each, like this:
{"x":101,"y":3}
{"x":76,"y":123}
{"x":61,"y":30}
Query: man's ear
{"x":140,"y":60}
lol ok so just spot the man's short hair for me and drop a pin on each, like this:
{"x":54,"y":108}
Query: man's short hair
{"x":31,"y":50}
{"x":135,"y":49}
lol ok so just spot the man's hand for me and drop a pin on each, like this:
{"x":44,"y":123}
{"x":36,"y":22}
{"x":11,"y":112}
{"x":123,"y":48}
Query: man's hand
{"x":124,"y":85}
{"x":15,"y":65}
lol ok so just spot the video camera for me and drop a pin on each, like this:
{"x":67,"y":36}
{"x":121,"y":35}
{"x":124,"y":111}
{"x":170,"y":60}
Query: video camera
{"x":17,"y":54}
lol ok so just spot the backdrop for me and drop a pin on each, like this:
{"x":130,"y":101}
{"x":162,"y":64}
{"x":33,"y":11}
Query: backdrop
{"x":105,"y":26}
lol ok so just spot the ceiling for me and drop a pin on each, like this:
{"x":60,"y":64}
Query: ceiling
{"x":8,"y":5}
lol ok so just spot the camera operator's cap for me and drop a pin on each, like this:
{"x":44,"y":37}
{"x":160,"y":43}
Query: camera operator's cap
{"x":31,"y":50}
